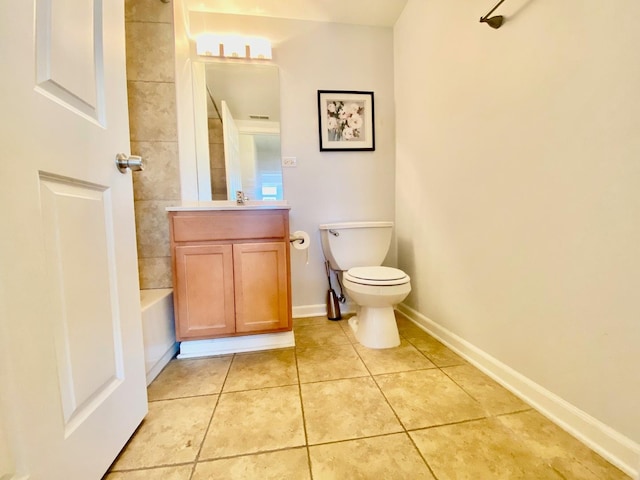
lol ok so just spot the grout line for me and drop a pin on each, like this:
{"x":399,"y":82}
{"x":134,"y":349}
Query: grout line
{"x":144,"y":469}
{"x":487,"y":413}
{"x":529,"y":409}
{"x":422,"y":456}
{"x":164,"y":82}
{"x":168,"y":22}
{"x":379,"y":435}
{"x":449,"y":424}
{"x":404,"y":428}
{"x":215,"y":407}
{"x":266,"y":387}
{"x":304,"y":421}
{"x":155,"y":141}
{"x":251,"y":454}
{"x":485,"y":409}
{"x":182,"y":397}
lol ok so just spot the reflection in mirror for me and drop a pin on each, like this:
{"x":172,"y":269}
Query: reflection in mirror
{"x":237,"y":109}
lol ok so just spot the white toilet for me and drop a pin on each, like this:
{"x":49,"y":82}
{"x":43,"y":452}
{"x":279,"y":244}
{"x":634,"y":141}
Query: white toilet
{"x":357,"y":249}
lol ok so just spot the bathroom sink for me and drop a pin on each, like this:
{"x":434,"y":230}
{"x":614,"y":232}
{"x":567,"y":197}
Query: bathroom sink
{"x":231,"y":205}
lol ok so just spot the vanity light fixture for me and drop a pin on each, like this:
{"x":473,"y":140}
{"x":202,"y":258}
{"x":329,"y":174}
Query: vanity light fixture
{"x":233,"y":46}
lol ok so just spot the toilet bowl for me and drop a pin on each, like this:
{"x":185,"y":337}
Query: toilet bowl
{"x":376,"y":290}
{"x":357,"y":249}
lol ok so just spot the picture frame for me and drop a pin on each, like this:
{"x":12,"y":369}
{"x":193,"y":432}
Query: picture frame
{"x":346,"y":120}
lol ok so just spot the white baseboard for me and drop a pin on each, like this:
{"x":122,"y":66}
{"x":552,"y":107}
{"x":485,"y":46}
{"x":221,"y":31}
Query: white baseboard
{"x":157,"y":368}
{"x":319,"y":310}
{"x":304,"y":311}
{"x":612,"y":445}
{"x":227,"y":345}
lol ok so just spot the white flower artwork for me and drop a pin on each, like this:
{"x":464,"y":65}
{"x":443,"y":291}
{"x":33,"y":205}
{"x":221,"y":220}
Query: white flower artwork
{"x":346,"y":120}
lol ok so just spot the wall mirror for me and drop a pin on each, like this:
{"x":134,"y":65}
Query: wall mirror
{"x":237,"y":125}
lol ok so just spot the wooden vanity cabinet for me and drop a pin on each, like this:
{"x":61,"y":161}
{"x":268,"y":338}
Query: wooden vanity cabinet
{"x":231,"y":272}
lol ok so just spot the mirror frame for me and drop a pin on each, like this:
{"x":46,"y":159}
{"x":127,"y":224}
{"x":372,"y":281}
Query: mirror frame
{"x":185,"y":57}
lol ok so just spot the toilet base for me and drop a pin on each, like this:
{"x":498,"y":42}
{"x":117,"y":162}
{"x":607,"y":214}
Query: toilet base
{"x":375,"y":327}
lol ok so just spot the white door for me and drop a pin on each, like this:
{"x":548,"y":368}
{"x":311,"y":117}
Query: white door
{"x":232,"y":163}
{"x":72,"y":382}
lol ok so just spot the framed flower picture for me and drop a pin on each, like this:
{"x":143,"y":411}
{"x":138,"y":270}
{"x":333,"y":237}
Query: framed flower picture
{"x":345,"y":120}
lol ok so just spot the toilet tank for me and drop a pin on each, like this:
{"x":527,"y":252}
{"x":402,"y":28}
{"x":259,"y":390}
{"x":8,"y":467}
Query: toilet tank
{"x":355,"y":244}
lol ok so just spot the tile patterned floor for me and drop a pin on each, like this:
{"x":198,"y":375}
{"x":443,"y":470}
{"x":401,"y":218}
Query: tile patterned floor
{"x":332,"y":409}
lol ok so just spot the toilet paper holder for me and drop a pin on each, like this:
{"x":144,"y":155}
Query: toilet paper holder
{"x":296,"y":238}
{"x":300,"y":241}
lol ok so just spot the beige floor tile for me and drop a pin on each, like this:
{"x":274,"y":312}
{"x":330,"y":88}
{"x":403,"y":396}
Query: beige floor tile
{"x":424,"y":398}
{"x":190,"y":378}
{"x":434,"y":350}
{"x":310,"y":321}
{"x":290,"y":464}
{"x":346,"y":409}
{"x":255,"y":421}
{"x":275,"y":368}
{"x":171,"y":433}
{"x":481,"y":449}
{"x":182,"y":472}
{"x":329,"y":363}
{"x":389,"y":360}
{"x":329,"y":333}
{"x":259,"y":432}
{"x":387,"y":457}
{"x":346,"y":328}
{"x":494,"y":398}
{"x":563,"y":452}
{"x":407,"y":328}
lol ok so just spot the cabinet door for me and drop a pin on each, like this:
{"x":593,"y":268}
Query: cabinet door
{"x":262,"y":287}
{"x":204,"y":291}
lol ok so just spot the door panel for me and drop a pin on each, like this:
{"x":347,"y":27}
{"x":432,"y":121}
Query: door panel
{"x":77,"y":84}
{"x":88,"y":338}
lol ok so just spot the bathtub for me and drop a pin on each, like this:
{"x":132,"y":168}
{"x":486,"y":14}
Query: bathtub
{"x":158,"y":330}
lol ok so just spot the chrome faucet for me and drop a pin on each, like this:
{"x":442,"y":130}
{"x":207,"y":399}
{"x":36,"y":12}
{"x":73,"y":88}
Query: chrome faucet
{"x":241,"y":197}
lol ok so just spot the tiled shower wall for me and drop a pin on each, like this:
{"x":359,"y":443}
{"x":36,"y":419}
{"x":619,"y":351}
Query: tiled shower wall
{"x":153,"y":126}
{"x":216,"y":160}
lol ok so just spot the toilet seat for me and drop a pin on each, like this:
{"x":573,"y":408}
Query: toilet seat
{"x":376,"y":276}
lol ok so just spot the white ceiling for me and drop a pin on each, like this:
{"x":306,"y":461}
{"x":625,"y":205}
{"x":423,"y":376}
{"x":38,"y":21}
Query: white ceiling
{"x":359,"y":12}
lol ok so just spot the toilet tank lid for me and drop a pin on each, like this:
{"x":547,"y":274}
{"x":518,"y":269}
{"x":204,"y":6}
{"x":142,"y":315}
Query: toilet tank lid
{"x":338,"y":226}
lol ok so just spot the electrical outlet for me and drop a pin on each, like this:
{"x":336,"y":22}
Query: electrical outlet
{"x":289,"y":162}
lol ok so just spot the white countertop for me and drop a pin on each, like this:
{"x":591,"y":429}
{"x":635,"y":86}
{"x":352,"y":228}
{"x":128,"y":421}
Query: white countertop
{"x":231,"y":205}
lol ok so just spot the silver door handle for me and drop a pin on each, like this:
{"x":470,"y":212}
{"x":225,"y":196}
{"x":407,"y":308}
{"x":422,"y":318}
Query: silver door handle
{"x":126,"y":162}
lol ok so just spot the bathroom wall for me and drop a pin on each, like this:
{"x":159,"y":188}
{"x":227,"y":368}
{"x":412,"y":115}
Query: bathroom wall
{"x":517,"y":181}
{"x":7,"y":465}
{"x":153,"y":124}
{"x":328,"y":186}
